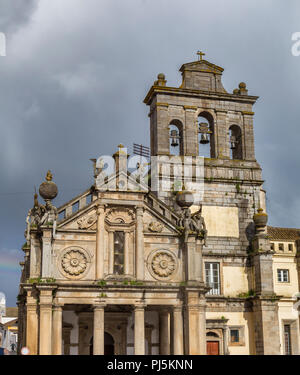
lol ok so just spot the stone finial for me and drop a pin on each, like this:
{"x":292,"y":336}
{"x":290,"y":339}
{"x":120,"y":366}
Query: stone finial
{"x":49,"y":176}
{"x":243,"y":88}
{"x":260,"y":220}
{"x":121,"y":157}
{"x":161,"y":80}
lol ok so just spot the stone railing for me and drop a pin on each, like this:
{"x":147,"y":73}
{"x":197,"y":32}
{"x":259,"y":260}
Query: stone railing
{"x":74,"y":205}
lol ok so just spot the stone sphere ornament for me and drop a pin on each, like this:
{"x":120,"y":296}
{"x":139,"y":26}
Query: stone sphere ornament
{"x":48,"y":189}
{"x":185,"y":198}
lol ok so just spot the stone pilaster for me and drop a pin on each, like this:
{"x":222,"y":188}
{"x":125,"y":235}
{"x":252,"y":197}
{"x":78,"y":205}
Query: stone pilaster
{"x":266,"y":326}
{"x":164,"y":332}
{"x":46,"y":320}
{"x":32,"y":323}
{"x":221,"y":136}
{"x":47,"y":253}
{"x":191,"y":323}
{"x":177,"y":331}
{"x":202,"y":324}
{"x":190,"y":140}
{"x":57,"y":330}
{"x":35,"y":258}
{"x":100,"y":243}
{"x":248,"y":139}
{"x":126,"y":253}
{"x":140,"y":262}
{"x":193,"y":263}
{"x":162,"y":129}
{"x":139,"y":329}
{"x":98,"y":338}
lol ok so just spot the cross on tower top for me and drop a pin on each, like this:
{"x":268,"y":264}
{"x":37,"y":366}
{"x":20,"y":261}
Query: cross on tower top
{"x":200,"y":54}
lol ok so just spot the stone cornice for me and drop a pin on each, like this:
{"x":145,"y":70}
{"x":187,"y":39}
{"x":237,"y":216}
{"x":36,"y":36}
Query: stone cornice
{"x":154,"y":90}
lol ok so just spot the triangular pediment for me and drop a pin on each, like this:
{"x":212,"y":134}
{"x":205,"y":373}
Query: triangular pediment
{"x":202,"y":66}
{"x":85,"y":219}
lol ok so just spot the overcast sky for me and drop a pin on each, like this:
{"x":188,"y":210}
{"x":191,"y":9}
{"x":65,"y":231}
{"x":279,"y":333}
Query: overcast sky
{"x":76,"y":72}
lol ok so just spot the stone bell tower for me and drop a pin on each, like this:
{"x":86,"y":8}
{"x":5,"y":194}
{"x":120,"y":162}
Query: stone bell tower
{"x":183,"y":122}
{"x":201,"y":113}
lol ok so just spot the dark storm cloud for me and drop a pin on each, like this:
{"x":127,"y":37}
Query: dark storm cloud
{"x":76,"y":73}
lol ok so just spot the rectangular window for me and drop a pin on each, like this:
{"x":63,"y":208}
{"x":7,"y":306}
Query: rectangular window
{"x":290,"y":247}
{"x":281,"y":246}
{"x":119,"y":253}
{"x":283,"y":276}
{"x":287,"y":339}
{"x":272,"y":246}
{"x":234,"y":335}
{"x":212,"y":277}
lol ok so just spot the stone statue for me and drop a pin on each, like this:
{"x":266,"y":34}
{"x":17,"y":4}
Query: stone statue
{"x":185,"y":222}
{"x":198,"y":225}
{"x":193,"y":224}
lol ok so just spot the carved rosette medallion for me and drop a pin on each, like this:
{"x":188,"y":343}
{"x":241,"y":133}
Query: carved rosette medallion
{"x":162,"y":264}
{"x":155,"y":226}
{"x":74,"y":262}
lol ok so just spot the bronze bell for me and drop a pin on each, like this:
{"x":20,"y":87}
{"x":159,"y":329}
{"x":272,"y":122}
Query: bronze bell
{"x":204,"y":138}
{"x":233,"y":142}
{"x":174,"y":138}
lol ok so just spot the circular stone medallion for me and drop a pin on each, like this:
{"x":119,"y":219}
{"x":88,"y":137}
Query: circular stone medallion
{"x":74,"y":262}
{"x":162,"y":264}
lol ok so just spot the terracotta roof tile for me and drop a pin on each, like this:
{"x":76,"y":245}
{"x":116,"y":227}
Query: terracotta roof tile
{"x":277,"y":233}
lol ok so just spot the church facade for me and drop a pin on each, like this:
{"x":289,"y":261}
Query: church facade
{"x":173,"y":258}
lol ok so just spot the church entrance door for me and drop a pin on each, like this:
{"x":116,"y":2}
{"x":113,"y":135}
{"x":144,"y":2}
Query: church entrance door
{"x":212,"y":348}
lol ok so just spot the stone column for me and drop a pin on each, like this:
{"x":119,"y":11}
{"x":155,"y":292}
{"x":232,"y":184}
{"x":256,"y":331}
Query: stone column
{"x":47,"y":253}
{"x":45,"y":321}
{"x":57,"y":330}
{"x":98,"y":338}
{"x":100,"y":243}
{"x":178,"y":330}
{"x":164,"y":332}
{"x":31,"y":323}
{"x":139,"y":244}
{"x":139,"y":329}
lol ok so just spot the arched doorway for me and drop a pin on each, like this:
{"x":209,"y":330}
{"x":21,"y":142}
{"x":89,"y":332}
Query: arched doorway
{"x":109,"y":345}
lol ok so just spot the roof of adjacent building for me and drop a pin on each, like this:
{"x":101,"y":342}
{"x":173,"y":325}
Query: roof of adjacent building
{"x":11,"y":312}
{"x":277,"y":233}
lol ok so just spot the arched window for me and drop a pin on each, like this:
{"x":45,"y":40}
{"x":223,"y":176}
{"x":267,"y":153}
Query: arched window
{"x":175,"y":137}
{"x":206,"y":138}
{"x":235,"y":140}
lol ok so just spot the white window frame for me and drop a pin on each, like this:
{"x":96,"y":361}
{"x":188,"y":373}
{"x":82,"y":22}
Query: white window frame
{"x":283,"y":275}
{"x":212,"y":277}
